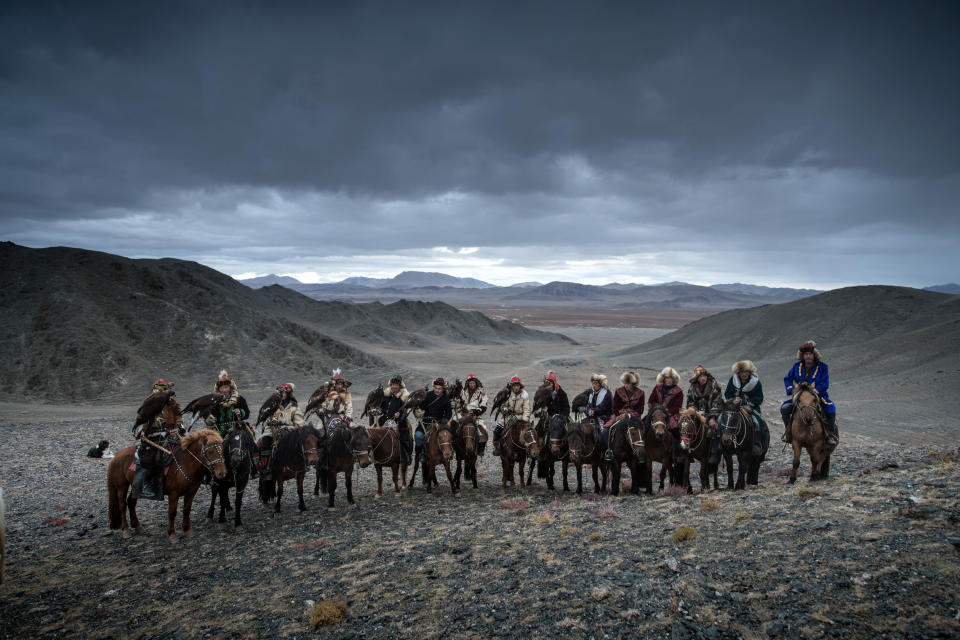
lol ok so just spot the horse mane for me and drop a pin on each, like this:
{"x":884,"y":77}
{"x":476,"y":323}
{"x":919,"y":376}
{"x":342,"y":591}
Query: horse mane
{"x":203,"y":435}
{"x":693,"y":413}
{"x":336,"y":442}
{"x":805,"y":386}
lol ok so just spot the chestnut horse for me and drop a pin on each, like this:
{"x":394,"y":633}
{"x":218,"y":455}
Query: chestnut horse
{"x":695,"y":438}
{"x":385,"y":451}
{"x":294,"y":450}
{"x":808,"y":433}
{"x":582,"y":448}
{"x":513,"y":450}
{"x":737,"y":438}
{"x":346,"y":444}
{"x":437,"y":449}
{"x":652,"y":442}
{"x":199,"y":453}
{"x":465,"y":447}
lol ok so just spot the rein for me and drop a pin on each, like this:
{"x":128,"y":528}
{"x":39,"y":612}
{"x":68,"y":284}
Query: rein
{"x":393,"y":449}
{"x":206,"y":463}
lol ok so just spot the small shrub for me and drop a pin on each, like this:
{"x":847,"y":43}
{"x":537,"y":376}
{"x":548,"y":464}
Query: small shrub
{"x":544,"y":517}
{"x":807,"y":493}
{"x":596,"y":535}
{"x":515,"y":504}
{"x":599,"y":593}
{"x":605,"y":512}
{"x":682,"y":534}
{"x":567,"y":531}
{"x":591,"y":496}
{"x":740,"y":517}
{"x":672,"y":491}
{"x":709,"y":505}
{"x":328,"y":612}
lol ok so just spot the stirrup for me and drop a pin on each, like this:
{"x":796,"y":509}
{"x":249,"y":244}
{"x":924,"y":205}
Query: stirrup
{"x":786,"y":437}
{"x":608,"y":455}
{"x":496,"y":450}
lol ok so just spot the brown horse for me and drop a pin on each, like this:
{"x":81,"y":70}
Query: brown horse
{"x":582,"y":438}
{"x":199,"y":453}
{"x":695,"y":441}
{"x":622,"y":445}
{"x":437,"y":449}
{"x":294,"y":450}
{"x":808,"y":433}
{"x":346,"y":444}
{"x":513,"y":449}
{"x":385,"y":451}
{"x":465,"y":447}
{"x":655,"y":443}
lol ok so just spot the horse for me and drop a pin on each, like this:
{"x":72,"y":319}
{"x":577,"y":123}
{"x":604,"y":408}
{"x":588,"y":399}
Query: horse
{"x":316,"y":399}
{"x":197,"y":454}
{"x":623,"y":453}
{"x":651,"y":439}
{"x":582,"y":447}
{"x":294,"y":448}
{"x":346,"y":444}
{"x":513,"y":450}
{"x":437,"y":449}
{"x":555,"y":449}
{"x":237,"y":447}
{"x":807,"y":429}
{"x":385,"y":451}
{"x":695,"y":438}
{"x":371,"y":408}
{"x":465,"y":447}
{"x":737,"y":438}
{"x":410,"y":406}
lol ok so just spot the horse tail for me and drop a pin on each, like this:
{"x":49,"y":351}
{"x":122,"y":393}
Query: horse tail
{"x":114,"y":502}
{"x":267,"y":491}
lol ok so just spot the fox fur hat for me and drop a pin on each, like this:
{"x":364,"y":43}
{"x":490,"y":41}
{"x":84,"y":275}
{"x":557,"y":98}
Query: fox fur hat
{"x":631,"y":377}
{"x":809,"y":345}
{"x":698,"y":371}
{"x":668,"y":372}
{"x":744,"y":365}
{"x":224,"y":378}
{"x":599,"y":377}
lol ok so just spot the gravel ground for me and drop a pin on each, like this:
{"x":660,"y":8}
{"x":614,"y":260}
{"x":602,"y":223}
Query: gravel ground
{"x":871,"y":552}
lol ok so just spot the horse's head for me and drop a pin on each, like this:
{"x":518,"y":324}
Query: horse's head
{"x":310,"y":442}
{"x":806,"y":401}
{"x":528,"y":435}
{"x":691,"y":428}
{"x":557,"y":432}
{"x":467,"y":429}
{"x":211,"y":453}
{"x":659,"y":421}
{"x":236,"y":446}
{"x":359,"y":444}
{"x":728,"y":424}
{"x":445,"y":438}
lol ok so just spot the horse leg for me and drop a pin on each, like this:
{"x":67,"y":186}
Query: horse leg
{"x":566,"y":485}
{"x":172,"y":513}
{"x":187,"y":504}
{"x":796,"y":459}
{"x":742,"y":461}
{"x":426,"y":475}
{"x":685,"y":474}
{"x":704,"y":475}
{"x":403,"y":475}
{"x":331,"y":485}
{"x":579,"y":470}
{"x":456,"y":474}
{"x":280,"y":483}
{"x":454,"y":486}
{"x":395,"y":468}
{"x":473,"y":471}
{"x":825,"y":467}
{"x":728,"y":460}
{"x":316,"y":484}
{"x":522,"y":462}
{"x":380,"y":480}
{"x":224,"y":502}
{"x":238,"y":502}
{"x":348,"y":481}
{"x":213,"y":501}
{"x":648,"y":475}
{"x":533,"y":464}
{"x":615,"y":478}
{"x":635,"y":478}
{"x":663,"y":474}
{"x":595,"y":472}
{"x":300,"y":476}
{"x":121,"y":496}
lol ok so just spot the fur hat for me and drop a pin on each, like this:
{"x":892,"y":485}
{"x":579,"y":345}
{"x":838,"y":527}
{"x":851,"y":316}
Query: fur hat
{"x":289,"y":387}
{"x":338,"y":377}
{"x":668,"y":372}
{"x":744,"y":365}
{"x":552,"y":377}
{"x":698,"y":371}
{"x":629,"y":377}
{"x":439,"y":382}
{"x":222,"y":379}
{"x":809,"y":345}
{"x":599,"y":377}
{"x":475,"y":379}
{"x":516,"y":380}
{"x":397,"y":379}
{"x":163,"y":383}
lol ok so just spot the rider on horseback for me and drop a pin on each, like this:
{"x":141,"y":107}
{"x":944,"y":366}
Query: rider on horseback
{"x":337,"y":405}
{"x":517,"y":404}
{"x":810,"y":369}
{"x":232,"y":410}
{"x":668,"y":394}
{"x":706,"y":396}
{"x":557,"y":405}
{"x":627,"y":402}
{"x":745,"y":389}
{"x":287,"y":416}
{"x":164,"y":430}
{"x":436,"y":408}
{"x":391,"y":409}
{"x":474,"y":400}
{"x":599,"y":402}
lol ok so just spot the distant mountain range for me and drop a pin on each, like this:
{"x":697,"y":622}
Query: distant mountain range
{"x":952,"y":288}
{"x":404,"y":280}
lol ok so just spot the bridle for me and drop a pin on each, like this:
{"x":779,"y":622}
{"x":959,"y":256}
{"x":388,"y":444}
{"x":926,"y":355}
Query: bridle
{"x":205,"y":462}
{"x":393,"y":447}
{"x":725,"y":423}
{"x":691,"y":432}
{"x":575,"y":453}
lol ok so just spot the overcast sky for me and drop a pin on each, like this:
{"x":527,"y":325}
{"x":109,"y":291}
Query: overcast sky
{"x":802,"y":144}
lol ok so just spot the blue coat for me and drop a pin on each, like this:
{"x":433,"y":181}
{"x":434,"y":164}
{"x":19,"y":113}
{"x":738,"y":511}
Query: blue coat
{"x":818,"y":376}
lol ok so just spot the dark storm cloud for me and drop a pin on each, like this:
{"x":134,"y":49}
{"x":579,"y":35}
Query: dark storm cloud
{"x":334,"y":119}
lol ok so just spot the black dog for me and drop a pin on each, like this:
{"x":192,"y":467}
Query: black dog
{"x":97,"y":451}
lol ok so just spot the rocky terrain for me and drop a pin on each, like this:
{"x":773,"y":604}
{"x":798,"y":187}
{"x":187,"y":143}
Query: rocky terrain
{"x":872,"y":552}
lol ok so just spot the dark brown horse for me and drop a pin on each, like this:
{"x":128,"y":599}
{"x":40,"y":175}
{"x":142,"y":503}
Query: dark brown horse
{"x":465,"y":447}
{"x":656,"y":445}
{"x":808,"y":433}
{"x":385,"y":451}
{"x":294,"y":451}
{"x":737,"y":438}
{"x":199,"y":453}
{"x":582,"y":439}
{"x":517,"y":436}
{"x":437,"y":449}
{"x":623,"y":453}
{"x":346,"y":444}
{"x":695,"y":441}
{"x":238,"y":448}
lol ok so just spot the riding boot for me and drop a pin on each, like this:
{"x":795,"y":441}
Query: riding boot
{"x":833,"y":436}
{"x":714,"y":451}
{"x":786,"y":413}
{"x":497,"y":434}
{"x":141,"y":488}
{"x":605,"y":440}
{"x":156,"y":481}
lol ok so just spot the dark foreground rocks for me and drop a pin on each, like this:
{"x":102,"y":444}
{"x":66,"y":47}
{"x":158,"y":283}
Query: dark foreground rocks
{"x":871,"y":552}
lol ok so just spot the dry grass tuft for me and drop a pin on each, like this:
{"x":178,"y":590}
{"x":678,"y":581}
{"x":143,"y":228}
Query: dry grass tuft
{"x":328,"y":612}
{"x":709,"y":505}
{"x":807,"y":493}
{"x":596,"y":535}
{"x":515,"y":504}
{"x":544,"y":517}
{"x":672,"y":491}
{"x":740,"y":517}
{"x":605,"y":512}
{"x":599,"y":593}
{"x":572,"y":623}
{"x":682,"y":534}
{"x":567,"y":531}
{"x":591,"y":496}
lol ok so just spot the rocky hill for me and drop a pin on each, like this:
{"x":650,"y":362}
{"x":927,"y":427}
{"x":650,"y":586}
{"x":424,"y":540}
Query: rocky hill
{"x":82,"y":325}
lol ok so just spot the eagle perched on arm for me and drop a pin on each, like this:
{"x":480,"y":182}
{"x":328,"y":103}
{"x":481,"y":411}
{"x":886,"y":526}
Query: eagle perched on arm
{"x":152,"y":407}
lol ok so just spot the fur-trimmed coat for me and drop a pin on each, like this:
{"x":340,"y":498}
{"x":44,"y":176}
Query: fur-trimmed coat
{"x":625,"y":402}
{"x":518,"y":404}
{"x":338,"y":404}
{"x":601,"y":402}
{"x":818,"y":375}
{"x":707,"y":399}
{"x":392,"y":404}
{"x":288,"y":415}
{"x":224,"y":416}
{"x":672,"y":400}
{"x":752,"y":392}
{"x":234,"y":394}
{"x":476,"y":401}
